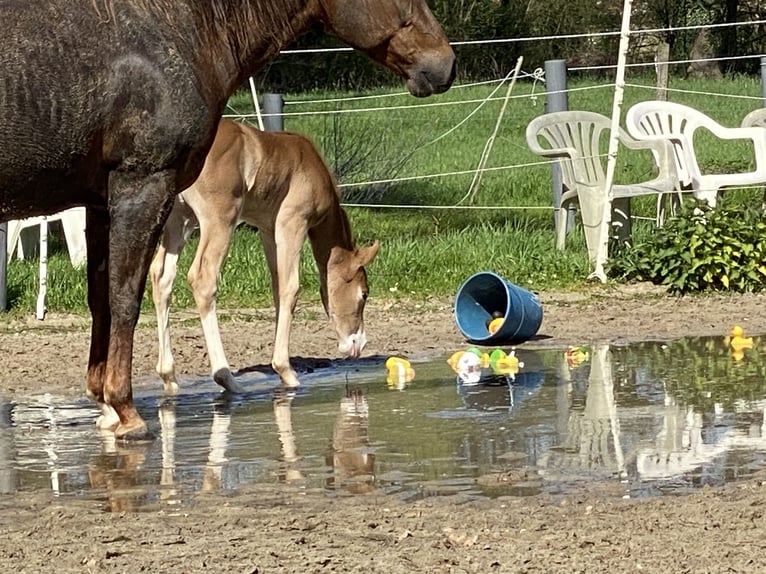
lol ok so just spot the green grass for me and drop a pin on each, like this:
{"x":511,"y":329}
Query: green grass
{"x":429,"y":252}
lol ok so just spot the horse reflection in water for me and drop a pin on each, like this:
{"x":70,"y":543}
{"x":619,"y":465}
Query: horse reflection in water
{"x":118,"y":469}
{"x":122,"y":472}
{"x":288,"y":469}
{"x":350,"y":458}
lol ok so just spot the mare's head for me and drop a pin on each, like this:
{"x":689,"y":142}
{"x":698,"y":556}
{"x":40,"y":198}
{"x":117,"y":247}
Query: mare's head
{"x":346,"y":295}
{"x":403,"y":35}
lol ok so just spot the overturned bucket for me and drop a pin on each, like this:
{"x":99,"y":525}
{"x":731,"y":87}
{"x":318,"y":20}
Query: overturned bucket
{"x":486,"y":296}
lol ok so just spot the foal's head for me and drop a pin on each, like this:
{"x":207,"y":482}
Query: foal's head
{"x":346,"y":294}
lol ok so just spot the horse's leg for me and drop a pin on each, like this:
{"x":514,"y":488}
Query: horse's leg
{"x":138,"y":206}
{"x":97,"y":241}
{"x":215,"y":235}
{"x":283,"y":254}
{"x":163,"y":272}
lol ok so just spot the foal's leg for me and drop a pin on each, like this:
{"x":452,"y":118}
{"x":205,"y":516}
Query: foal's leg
{"x":215,"y":235}
{"x":138,"y":206}
{"x":163,"y":272}
{"x":283,"y":254}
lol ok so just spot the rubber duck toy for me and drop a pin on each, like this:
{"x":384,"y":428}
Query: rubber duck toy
{"x":576,"y":356}
{"x":503,"y":363}
{"x":467,"y":365}
{"x":494,"y":324}
{"x":737,"y":339}
{"x":400,"y":372}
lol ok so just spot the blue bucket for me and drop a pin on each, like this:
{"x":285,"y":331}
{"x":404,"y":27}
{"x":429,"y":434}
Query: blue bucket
{"x":485,"y":296}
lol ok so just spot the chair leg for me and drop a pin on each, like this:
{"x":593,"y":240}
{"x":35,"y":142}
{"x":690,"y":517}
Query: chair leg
{"x":561,"y":226}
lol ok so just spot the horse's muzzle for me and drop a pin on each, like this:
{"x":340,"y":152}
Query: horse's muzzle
{"x":432,"y":76}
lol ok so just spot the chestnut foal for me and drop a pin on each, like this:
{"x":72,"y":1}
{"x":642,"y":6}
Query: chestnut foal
{"x":277,"y":182}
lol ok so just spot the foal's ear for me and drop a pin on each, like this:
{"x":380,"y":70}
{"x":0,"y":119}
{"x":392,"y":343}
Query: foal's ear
{"x":365,"y":255}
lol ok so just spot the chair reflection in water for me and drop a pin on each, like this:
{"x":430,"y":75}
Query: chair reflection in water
{"x":591,"y":434}
{"x":685,"y":444}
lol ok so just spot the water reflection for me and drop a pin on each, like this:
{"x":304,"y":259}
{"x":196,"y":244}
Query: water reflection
{"x":7,"y":451}
{"x":351,"y":458}
{"x":591,"y":433}
{"x":283,"y":403}
{"x":647,"y":418}
{"x":116,"y":472}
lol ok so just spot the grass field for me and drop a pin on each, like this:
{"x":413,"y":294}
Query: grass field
{"x":506,"y":227}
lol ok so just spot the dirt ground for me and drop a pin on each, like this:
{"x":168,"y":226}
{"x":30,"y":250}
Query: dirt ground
{"x":268,"y":528}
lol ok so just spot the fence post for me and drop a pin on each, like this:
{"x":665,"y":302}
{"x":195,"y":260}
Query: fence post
{"x":557,"y":100}
{"x":661,"y":57}
{"x":763,"y":79}
{"x":3,"y":266}
{"x":273,"y":107}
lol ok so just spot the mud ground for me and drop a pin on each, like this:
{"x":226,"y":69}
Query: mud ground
{"x":270,"y":528}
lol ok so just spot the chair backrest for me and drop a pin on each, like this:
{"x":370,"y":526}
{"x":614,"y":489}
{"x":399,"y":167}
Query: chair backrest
{"x":674,"y":122}
{"x":574,"y":138}
{"x":677,"y":123}
{"x":756,"y":118}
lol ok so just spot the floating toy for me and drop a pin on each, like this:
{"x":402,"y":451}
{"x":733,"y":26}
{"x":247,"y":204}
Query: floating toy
{"x":738,"y":342}
{"x":503,"y":363}
{"x":400,"y":372}
{"x":467,"y":365}
{"x":737,"y":339}
{"x":470,"y":364}
{"x":576,"y":356}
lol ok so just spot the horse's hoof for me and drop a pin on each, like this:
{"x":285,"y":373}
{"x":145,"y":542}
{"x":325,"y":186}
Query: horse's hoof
{"x":109,"y":420}
{"x":224,"y":379}
{"x":291,"y":382}
{"x":133,"y":432}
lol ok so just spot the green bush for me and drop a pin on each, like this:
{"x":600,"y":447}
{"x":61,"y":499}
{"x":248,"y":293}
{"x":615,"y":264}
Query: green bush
{"x":702,"y":249}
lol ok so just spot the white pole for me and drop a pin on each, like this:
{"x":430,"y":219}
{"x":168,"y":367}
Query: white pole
{"x":611,"y":162}
{"x":256,"y":105}
{"x":43,"y":293}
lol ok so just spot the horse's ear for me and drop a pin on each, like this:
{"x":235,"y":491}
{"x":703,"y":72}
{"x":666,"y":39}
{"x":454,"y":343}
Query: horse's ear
{"x":365,"y":255}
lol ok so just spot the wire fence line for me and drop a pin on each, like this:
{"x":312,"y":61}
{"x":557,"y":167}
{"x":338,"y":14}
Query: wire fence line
{"x":550,"y":38}
{"x":532,"y":79}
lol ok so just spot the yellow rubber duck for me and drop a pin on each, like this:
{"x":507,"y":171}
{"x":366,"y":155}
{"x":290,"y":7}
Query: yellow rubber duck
{"x":503,"y":363}
{"x":454,"y":360}
{"x":737,"y":339}
{"x":400,"y":372}
{"x":576,"y":356}
{"x":495,"y":324}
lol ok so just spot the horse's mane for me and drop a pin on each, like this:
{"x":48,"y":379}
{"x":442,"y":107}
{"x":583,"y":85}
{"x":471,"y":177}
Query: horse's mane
{"x":270,"y":16}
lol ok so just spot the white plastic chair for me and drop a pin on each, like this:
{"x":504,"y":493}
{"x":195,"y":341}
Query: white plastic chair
{"x":677,"y":123}
{"x":73,"y":222}
{"x":574,"y":139}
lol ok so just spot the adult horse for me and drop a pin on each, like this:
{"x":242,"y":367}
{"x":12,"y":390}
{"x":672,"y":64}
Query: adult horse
{"x":113,"y":105}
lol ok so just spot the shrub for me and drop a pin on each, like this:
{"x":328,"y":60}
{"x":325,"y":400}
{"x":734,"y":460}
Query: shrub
{"x":702,"y":249}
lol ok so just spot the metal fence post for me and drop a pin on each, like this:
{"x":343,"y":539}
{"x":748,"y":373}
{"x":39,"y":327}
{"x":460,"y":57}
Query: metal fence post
{"x":557,"y":100}
{"x":3,"y":266}
{"x":273,"y":108}
{"x":763,"y":79}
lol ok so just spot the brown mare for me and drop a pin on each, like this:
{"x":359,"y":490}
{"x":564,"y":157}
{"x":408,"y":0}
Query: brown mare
{"x":277,"y":182}
{"x":114,"y":105}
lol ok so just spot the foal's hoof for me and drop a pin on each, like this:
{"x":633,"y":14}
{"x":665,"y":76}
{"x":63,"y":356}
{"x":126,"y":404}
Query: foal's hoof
{"x":224,"y":379}
{"x":136,"y":431}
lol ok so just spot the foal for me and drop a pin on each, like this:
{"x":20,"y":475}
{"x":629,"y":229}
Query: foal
{"x":277,"y":182}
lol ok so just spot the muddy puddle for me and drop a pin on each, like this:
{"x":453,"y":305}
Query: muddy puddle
{"x":645,"y":419}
